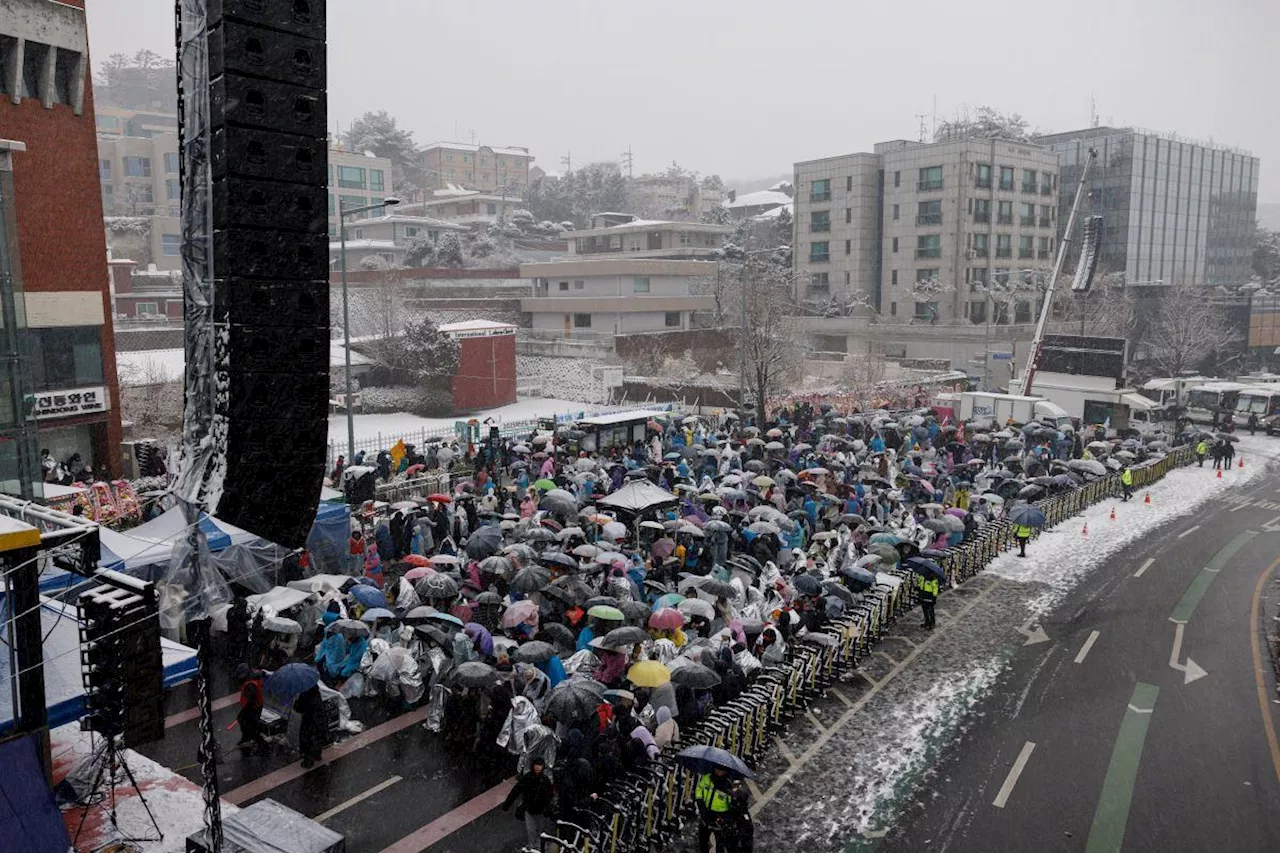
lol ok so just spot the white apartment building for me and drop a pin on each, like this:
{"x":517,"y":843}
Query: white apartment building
{"x":623,"y":234}
{"x":355,"y":180}
{"x":387,"y":237}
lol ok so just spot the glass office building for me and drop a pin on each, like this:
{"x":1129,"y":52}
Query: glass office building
{"x":1173,"y":210}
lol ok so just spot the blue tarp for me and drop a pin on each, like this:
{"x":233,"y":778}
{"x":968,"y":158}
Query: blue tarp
{"x":29,"y":817}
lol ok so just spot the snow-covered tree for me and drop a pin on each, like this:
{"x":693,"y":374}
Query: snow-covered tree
{"x":713,"y":182}
{"x":1266,"y":254}
{"x":449,"y":250}
{"x":983,"y":123}
{"x":378,"y":133}
{"x":421,"y":253}
{"x":374,"y":262}
{"x":1190,"y":331}
{"x":781,"y":228}
{"x":419,"y":352}
{"x":718,"y":215}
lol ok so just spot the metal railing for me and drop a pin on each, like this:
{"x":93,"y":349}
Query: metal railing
{"x":1027,"y":221}
{"x":820,"y":196}
{"x":929,"y":186}
{"x":929,"y":219}
{"x":1029,"y":188}
{"x":983,"y":216}
{"x":935,"y":252}
{"x":1006,"y":186}
{"x":1026,"y":253}
{"x":1004,"y":219}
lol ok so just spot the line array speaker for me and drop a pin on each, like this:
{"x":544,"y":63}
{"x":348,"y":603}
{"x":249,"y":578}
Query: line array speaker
{"x":120,"y":662}
{"x":268,"y":156}
{"x":1090,"y":246}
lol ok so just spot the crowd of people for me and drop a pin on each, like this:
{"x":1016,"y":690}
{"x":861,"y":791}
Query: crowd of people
{"x":578,"y":610}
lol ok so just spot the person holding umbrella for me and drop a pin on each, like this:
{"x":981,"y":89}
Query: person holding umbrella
{"x":1025,"y":517}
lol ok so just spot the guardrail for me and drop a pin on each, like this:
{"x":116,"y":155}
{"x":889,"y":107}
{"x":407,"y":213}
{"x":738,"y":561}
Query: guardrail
{"x":654,"y":805}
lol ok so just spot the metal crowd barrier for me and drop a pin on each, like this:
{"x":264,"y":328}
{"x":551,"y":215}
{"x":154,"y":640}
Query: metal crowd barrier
{"x":650,"y":808}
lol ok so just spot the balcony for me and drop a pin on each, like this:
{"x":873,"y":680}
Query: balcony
{"x":817,"y":227}
{"x":1030,"y":188}
{"x":982,"y":183}
{"x":1005,"y":252}
{"x":1006,"y":186}
{"x":1045,"y":223}
{"x":826,"y":196}
{"x":929,"y":219}
{"x":1046,"y":189}
{"x":1027,"y":221}
{"x":1045,"y":255}
{"x":982,"y":216}
{"x":1004,"y":219}
{"x":932,"y":252}
{"x":929,"y":186}
{"x":980,"y":251}
{"x":1026,"y":254}
{"x":823,"y":258}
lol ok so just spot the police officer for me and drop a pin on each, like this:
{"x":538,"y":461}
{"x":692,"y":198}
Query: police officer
{"x":1126,"y":482}
{"x":1202,"y":450}
{"x":1022,"y":533}
{"x":714,"y":796}
{"x":927,"y":588}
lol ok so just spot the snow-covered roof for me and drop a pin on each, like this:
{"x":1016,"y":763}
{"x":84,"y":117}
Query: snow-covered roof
{"x":651,"y":224}
{"x":399,"y":219}
{"x":336,"y":245}
{"x":775,"y":212}
{"x":759,"y":199}
{"x":466,"y":146}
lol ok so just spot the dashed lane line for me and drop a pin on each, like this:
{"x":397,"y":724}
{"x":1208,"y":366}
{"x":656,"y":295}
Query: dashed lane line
{"x":1015,"y":771}
{"x":1088,"y":644}
{"x":358,"y":798}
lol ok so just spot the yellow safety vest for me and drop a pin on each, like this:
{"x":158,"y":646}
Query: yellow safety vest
{"x":715,"y":799}
{"x":1202,"y":448}
{"x":1023,"y":532}
{"x":927,"y":584}
{"x":1127,"y":477}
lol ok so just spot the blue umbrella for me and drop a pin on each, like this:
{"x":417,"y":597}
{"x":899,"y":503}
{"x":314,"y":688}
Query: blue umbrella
{"x":369,"y":596}
{"x":702,"y":758}
{"x":857,"y":574}
{"x":446,"y":617}
{"x":920,"y":565}
{"x":375,"y":613}
{"x":291,"y":680}
{"x":1026,"y":515}
{"x":886,"y":538}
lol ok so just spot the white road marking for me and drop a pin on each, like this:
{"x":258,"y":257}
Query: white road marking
{"x":358,"y":798}
{"x":1014,"y":772}
{"x":811,"y":718}
{"x":1135,"y":709}
{"x":1088,"y":644}
{"x":1192,"y":529}
{"x":785,"y":751}
{"x":1143,"y":568}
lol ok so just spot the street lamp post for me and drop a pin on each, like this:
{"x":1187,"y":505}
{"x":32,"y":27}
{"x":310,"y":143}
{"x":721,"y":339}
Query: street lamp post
{"x":346,"y":313}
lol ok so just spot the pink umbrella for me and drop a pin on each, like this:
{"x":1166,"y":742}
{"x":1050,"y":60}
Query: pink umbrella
{"x":957,"y":512}
{"x":520,"y":612}
{"x":662,"y":548}
{"x":666,"y":619}
{"x":462,"y":610}
{"x":418,"y":572}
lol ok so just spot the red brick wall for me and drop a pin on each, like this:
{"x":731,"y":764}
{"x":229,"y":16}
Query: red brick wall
{"x":486,"y":375}
{"x":62,"y":245}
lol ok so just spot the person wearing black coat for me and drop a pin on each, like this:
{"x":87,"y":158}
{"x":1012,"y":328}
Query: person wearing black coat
{"x":238,"y":632}
{"x":534,"y":791}
{"x":313,"y":731}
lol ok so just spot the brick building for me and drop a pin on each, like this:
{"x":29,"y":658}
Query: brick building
{"x":58,"y":257}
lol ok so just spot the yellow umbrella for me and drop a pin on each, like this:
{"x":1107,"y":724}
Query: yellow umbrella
{"x":397,"y":452}
{"x":763,"y":481}
{"x":648,"y":673}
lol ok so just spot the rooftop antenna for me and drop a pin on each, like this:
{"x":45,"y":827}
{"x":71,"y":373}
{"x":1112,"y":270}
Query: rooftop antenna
{"x":1093,"y":110}
{"x":922,"y":117}
{"x":473,"y":136}
{"x":628,"y":160}
{"x":567,"y":162}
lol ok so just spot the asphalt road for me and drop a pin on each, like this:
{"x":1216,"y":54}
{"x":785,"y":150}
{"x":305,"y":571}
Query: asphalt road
{"x":1103,"y":738}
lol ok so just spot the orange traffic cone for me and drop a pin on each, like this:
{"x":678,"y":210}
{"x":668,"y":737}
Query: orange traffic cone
{"x":1147,"y":499}
{"x":1113,"y":513}
{"x":1084,"y":531}
{"x":1241,"y":461}
{"x":1219,"y":473}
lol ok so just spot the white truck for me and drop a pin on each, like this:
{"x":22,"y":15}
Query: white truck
{"x":984,"y":405}
{"x":1096,"y":400}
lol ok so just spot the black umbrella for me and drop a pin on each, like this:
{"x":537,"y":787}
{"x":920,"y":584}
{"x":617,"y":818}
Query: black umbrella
{"x":839,"y":590}
{"x":436,"y":586}
{"x":575,"y":700}
{"x":484,"y":542}
{"x":559,"y":558}
{"x":695,"y":676}
{"x":530,"y":578}
{"x":718,"y":588}
{"x":558,"y":633}
{"x":807,"y":584}
{"x":496,"y":565}
{"x":570,"y":590}
{"x":635,"y":611}
{"x":534,"y":651}
{"x":621,"y":638}
{"x":473,"y":673}
{"x":431,"y":632}
{"x":600,"y":601}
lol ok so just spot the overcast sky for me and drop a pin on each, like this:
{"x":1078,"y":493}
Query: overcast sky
{"x":747,"y":87}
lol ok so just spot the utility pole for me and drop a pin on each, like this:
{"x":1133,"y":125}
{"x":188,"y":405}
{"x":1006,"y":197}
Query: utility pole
{"x":628,"y":160}
{"x":922,"y":117}
{"x":567,"y":162}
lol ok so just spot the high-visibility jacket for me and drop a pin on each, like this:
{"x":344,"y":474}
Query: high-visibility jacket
{"x":928,"y":586}
{"x":1022,"y":531}
{"x":1202,"y":449}
{"x":1126,"y":477}
{"x":711,"y":797}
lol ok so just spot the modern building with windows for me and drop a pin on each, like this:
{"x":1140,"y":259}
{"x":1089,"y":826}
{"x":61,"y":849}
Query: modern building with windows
{"x":476,"y":167}
{"x":1173,"y":210}
{"x":58,"y":390}
{"x":355,"y":180}
{"x":386,"y":237}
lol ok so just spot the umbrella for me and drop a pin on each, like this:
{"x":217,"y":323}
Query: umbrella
{"x":520,"y":612}
{"x":439,"y":499}
{"x":351,"y":628}
{"x":839,"y":590}
{"x":484,"y":542}
{"x":718,"y":588}
{"x":614,"y":529}
{"x":520,"y":551}
{"x":431,"y":632}
{"x":695,"y":676}
{"x":290,"y":681}
{"x":1088,"y":466}
{"x":496,"y":565}
{"x":545,"y":485}
{"x":568,"y":589}
{"x":437,"y":586}
{"x":281,"y":625}
{"x":600,"y":600}
{"x":1026,"y":515}
{"x":635,"y":611}
{"x":886,"y":538}
{"x":570,"y":532}
{"x":539,"y":534}
{"x":604,"y":611}
{"x":530,"y":578}
{"x":858,"y":574}
{"x":666,"y":619}
{"x":648,"y":673}
{"x":574,"y":700}
{"x":702,"y":758}
{"x":628,"y":635}
{"x":559,"y":558}
{"x":560,"y":501}
{"x":921,"y":566}
{"x":761,"y":527}
{"x":696,"y":607}
{"x":446,"y":618}
{"x":559,"y":634}
{"x":667,"y":599}
{"x":373,"y":614}
{"x":763,"y":481}
{"x":418,"y":572}
{"x":952,"y":524}
{"x":369,"y":596}
{"x":474,"y":673}
{"x":534,"y":651}
{"x":807,"y":584}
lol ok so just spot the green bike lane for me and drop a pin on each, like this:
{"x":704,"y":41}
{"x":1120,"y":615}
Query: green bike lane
{"x":1095,"y":742}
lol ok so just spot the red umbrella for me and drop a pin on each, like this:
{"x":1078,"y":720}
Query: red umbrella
{"x":417,"y":560}
{"x":440,"y":499}
{"x":666,"y":619}
{"x":418,"y":572}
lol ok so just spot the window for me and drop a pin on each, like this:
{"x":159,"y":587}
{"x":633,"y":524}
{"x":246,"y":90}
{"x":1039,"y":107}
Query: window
{"x":820,"y":220}
{"x":978,"y":276}
{"x":685,"y":239}
{"x":64,"y":77}
{"x":491,"y":208}
{"x":172,"y":190}
{"x":926,"y":311}
{"x":929,"y":246}
{"x":981,"y":245}
{"x":982,"y":210}
{"x":1046,"y":216}
{"x":672,"y":319}
{"x":564,"y":285}
{"x":928,"y":276}
{"x":1026,"y":247}
{"x":1029,"y":180}
{"x":930,"y":179}
{"x":351,"y":177}
{"x":1022,"y":312}
{"x":66,"y":357}
{"x":848,"y":215}
{"x":1045,"y":248}
{"x":1004,"y":214}
{"x":139,"y":194}
{"x":104,"y":170}
{"x":377,"y":201}
{"x":848,"y":184}
{"x":820,"y":190}
{"x":1028,"y":217}
{"x":893,"y":277}
{"x":376,"y":181}
{"x":929,"y":213}
{"x":640,"y":284}
{"x":351,"y":202}
{"x":359,"y":235}
{"x":1006,"y":178}
{"x":579,"y":284}
{"x":983,"y":179}
{"x":978,"y":312}
{"x":411,"y":231}
{"x":1004,"y":246}
{"x":171,"y":163}
{"x":819,"y":252}
{"x":897,"y":179}
{"x":33,"y":59}
{"x":895,"y":244}
{"x":8,"y":49}
{"x":331,"y":210}
{"x":848,"y":247}
{"x":1046,"y":184}
{"x":895,"y":213}
{"x":582,"y":321}
{"x":145,"y":309}
{"x":819,"y":282}
{"x":108,"y":197}
{"x":831,"y":343}
{"x":137,"y":167}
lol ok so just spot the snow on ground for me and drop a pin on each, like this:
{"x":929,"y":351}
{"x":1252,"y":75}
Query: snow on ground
{"x":394,"y":425}
{"x":148,"y":367}
{"x":1062,"y":557}
{"x":175,"y":801}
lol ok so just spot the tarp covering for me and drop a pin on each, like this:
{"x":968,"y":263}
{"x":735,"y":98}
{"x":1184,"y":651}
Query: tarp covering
{"x":29,"y":817}
{"x":63,"y":688}
{"x":637,"y":496}
{"x":328,"y":540}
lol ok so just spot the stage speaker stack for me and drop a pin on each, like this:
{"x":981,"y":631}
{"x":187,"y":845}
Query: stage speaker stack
{"x":120,"y":662}
{"x":1090,"y":247}
{"x":269,"y":163}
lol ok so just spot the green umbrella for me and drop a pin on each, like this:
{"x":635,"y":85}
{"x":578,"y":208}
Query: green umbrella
{"x":545,"y":484}
{"x":604,"y":611}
